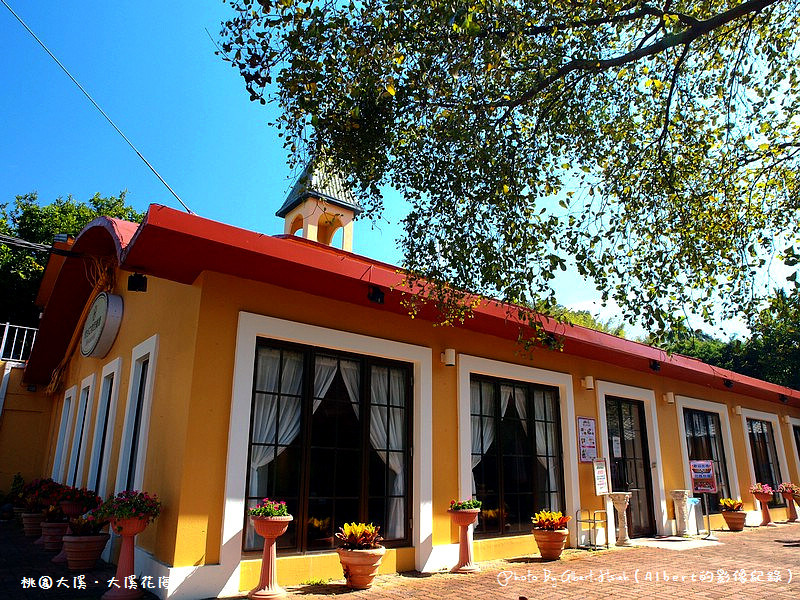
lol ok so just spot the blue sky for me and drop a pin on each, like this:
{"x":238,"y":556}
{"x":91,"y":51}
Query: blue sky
{"x":151,"y":66}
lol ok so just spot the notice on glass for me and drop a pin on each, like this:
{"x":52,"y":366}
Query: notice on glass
{"x":587,"y":440}
{"x":616,"y":446}
{"x":600,"y":476}
{"x":704,"y":480}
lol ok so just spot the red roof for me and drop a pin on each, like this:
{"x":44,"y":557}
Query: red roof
{"x":179,"y":246}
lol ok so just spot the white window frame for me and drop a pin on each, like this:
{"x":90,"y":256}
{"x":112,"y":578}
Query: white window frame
{"x":469,"y":365}
{"x":147,"y":350}
{"x":794,"y":422}
{"x":251,"y":327}
{"x":648,"y":397}
{"x":79,"y":451}
{"x":64,"y":431}
{"x":783,"y":464}
{"x":111,"y":370}
{"x":717,"y":408}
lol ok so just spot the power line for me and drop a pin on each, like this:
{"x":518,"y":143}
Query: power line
{"x":97,"y":106}
{"x":10,"y":240}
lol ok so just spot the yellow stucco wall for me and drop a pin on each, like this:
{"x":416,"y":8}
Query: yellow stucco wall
{"x":24,"y":430}
{"x":169,"y":310}
{"x":187,"y":447}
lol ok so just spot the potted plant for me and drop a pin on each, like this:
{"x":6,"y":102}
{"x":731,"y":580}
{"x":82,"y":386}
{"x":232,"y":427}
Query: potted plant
{"x":732,"y":513}
{"x":464,"y":513}
{"x":36,"y":496}
{"x":550,"y":532}
{"x":360,"y":553}
{"x":763,"y":493}
{"x":15,"y":496}
{"x":789,"y":491}
{"x":77,"y":501}
{"x":129,"y":512}
{"x":54,"y":526}
{"x":270,"y":519}
{"x":85,"y":540}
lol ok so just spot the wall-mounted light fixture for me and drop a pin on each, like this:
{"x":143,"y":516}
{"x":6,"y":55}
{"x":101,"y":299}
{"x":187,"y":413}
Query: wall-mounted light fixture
{"x":655,"y":365}
{"x":375,"y":294}
{"x":727,"y":383}
{"x":737,"y":409}
{"x":588,"y":382}
{"x":783,"y":398}
{"x":137,"y":283}
{"x":669,"y":398}
{"x":449,"y":357}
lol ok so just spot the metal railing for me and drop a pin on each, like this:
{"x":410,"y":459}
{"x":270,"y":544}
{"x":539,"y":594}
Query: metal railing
{"x":17,"y":342}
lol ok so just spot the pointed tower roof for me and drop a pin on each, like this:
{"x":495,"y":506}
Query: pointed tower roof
{"x":323,"y":184}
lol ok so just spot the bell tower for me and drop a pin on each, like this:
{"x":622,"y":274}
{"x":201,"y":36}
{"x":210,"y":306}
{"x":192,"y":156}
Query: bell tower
{"x":319,"y":205}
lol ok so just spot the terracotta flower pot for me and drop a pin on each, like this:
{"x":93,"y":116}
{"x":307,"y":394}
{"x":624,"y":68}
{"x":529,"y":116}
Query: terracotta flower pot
{"x":360,"y":566}
{"x":734,"y":519}
{"x":71,"y":509}
{"x":125,"y":527}
{"x":791,"y":513}
{"x":269,"y":528}
{"x":32,"y":524}
{"x":550,"y":543}
{"x":766,"y":517}
{"x":52,"y":534}
{"x":83,"y":551}
{"x":463,"y":519}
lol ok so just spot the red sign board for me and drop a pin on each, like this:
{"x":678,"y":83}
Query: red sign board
{"x":704,"y":480}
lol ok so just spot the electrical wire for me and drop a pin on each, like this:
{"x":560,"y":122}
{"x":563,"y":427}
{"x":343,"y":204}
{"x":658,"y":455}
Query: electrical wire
{"x":10,"y":240}
{"x":97,"y":106}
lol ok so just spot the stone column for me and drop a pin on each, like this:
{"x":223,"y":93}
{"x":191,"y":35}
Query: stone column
{"x":621,"y":500}
{"x":681,"y":500}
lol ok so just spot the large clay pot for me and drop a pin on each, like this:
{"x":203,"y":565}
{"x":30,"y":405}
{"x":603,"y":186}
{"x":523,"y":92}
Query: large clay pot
{"x":360,"y":566}
{"x":270,"y":528}
{"x":83,"y":551}
{"x":550,"y":543}
{"x":71,"y":509}
{"x":463,"y":519}
{"x":734,"y":519}
{"x":766,"y":518}
{"x":52,"y":534}
{"x":32,"y":524}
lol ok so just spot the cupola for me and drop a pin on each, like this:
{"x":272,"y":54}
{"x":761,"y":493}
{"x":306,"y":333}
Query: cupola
{"x":319,"y":205}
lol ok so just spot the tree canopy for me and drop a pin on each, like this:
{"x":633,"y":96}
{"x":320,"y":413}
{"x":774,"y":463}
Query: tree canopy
{"x":652,"y":147}
{"x":772,"y":352}
{"x":21,"y":269}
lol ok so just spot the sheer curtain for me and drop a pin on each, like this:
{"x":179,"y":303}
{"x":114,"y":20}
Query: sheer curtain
{"x":267,"y":418}
{"x":387,"y":431}
{"x":482,"y":439}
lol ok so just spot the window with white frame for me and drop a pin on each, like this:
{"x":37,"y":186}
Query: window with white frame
{"x":517,"y":458}
{"x":704,"y":442}
{"x":78,"y":450}
{"x":104,"y":428}
{"x":330,"y":433}
{"x":765,"y":456}
{"x":64,"y":430}
{"x":133,"y":449}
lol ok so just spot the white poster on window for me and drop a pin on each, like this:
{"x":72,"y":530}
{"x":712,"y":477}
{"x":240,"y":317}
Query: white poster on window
{"x":587,"y":440}
{"x":616,"y":446}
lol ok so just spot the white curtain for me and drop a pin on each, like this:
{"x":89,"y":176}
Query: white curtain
{"x":324,"y":373}
{"x":266,"y":421}
{"x":352,"y":381}
{"x":481,"y":442}
{"x":387,"y":431}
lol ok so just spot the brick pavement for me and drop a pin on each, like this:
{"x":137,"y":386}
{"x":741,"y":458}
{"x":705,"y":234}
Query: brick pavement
{"x":730,"y":570}
{"x":19,"y":558}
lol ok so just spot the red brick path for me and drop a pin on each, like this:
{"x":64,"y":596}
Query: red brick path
{"x":755,"y":564}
